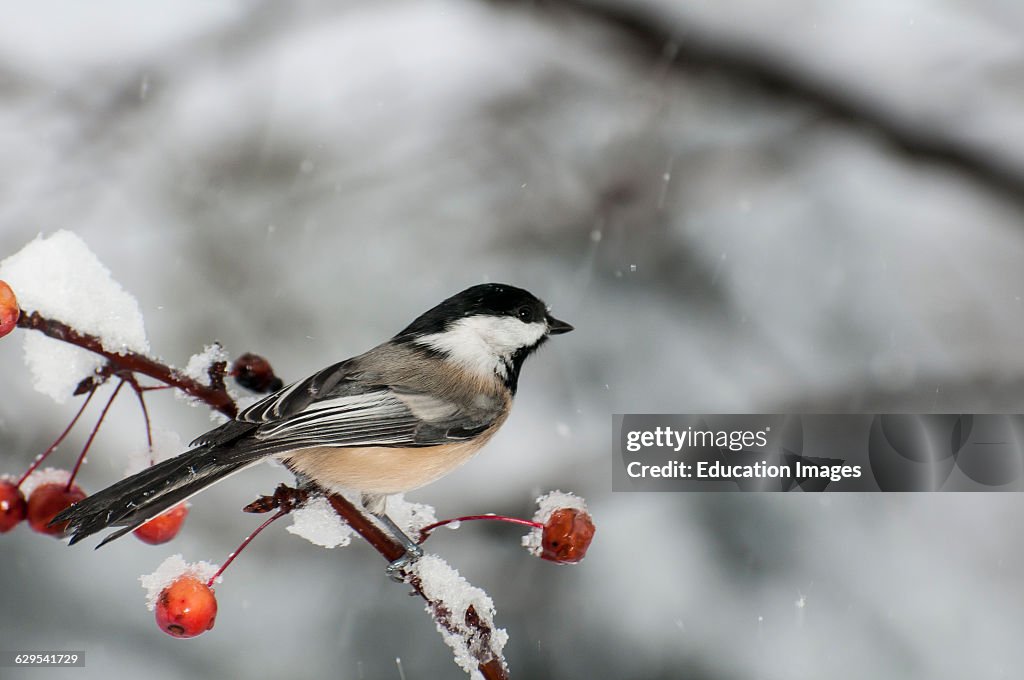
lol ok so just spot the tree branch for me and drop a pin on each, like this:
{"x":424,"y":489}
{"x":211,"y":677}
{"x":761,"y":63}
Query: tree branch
{"x":216,"y":397}
{"x":685,"y":47}
{"x":475,"y":631}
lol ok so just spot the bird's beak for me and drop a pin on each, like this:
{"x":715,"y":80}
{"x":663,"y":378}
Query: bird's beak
{"x":555,"y":327}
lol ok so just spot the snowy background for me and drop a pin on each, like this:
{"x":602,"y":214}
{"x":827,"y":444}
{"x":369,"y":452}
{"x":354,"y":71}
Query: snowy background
{"x":741,"y":206}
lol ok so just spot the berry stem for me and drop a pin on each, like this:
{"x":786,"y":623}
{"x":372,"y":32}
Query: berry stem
{"x":248,"y":539}
{"x":92,"y":435}
{"x":42,"y":456}
{"x":425,"y":531}
{"x":134,"y":382}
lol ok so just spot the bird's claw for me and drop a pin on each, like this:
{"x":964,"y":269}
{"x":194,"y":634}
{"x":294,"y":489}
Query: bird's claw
{"x":396,"y":570}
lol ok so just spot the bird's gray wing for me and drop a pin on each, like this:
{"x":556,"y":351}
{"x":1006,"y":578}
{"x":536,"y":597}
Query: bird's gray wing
{"x":293,"y":398}
{"x":339,"y":406}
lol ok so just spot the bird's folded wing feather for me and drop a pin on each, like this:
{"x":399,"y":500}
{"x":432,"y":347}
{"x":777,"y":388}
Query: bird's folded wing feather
{"x":328,"y":409}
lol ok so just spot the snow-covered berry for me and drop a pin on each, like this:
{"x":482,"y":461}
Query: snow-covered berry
{"x":13,"y":507}
{"x":563,"y":530}
{"x":566,"y":536}
{"x":45,"y":501}
{"x":186,"y":608}
{"x":164,"y":526}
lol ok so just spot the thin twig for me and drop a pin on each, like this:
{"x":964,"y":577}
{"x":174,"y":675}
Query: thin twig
{"x":92,"y":435}
{"x":248,"y":539}
{"x":140,"y":394}
{"x":42,"y":456}
{"x":425,"y":532}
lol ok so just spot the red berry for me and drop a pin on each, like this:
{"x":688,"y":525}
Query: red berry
{"x":186,"y":608}
{"x":13,"y":507}
{"x":567,"y":535}
{"x":163,"y":527}
{"x":253,"y":372}
{"x":46,"y":501}
{"x":9,"y":310}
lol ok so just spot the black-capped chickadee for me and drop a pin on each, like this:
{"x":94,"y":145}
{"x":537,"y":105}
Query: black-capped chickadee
{"x":393,"y":419}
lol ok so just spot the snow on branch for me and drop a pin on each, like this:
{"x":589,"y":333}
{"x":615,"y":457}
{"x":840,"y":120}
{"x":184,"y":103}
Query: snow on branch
{"x":215,"y":397}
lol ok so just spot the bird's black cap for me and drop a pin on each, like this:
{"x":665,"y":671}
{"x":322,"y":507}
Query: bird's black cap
{"x":492,"y":299}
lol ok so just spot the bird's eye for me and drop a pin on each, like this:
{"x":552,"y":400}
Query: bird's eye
{"x":524,"y":314}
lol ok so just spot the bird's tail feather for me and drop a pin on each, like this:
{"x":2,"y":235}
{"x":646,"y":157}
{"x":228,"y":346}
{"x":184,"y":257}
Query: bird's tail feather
{"x":137,"y":499}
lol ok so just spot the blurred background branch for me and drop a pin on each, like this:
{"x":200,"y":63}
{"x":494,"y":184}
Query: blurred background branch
{"x":671,"y":42}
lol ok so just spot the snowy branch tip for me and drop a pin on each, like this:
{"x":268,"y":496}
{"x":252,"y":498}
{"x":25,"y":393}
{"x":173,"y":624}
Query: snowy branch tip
{"x":61,"y":278}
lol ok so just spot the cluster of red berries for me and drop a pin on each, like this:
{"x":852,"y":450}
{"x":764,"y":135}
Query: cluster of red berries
{"x":43,"y":504}
{"x":47,"y":500}
{"x":188,"y":607}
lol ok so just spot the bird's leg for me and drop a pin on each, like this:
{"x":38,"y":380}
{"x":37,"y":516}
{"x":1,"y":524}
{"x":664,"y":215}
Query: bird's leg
{"x":375,"y":505}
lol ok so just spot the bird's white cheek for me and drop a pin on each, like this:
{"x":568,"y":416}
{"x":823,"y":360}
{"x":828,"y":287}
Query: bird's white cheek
{"x":481,"y":344}
{"x":506,"y":335}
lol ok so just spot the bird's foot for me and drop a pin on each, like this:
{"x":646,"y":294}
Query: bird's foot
{"x":396,"y":570}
